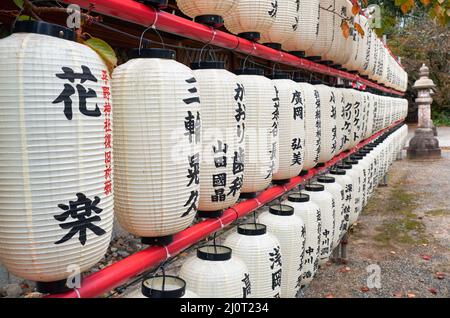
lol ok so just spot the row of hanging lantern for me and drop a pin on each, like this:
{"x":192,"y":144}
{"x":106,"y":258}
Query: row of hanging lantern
{"x":279,"y":254}
{"x":186,"y":140}
{"x":326,"y":31}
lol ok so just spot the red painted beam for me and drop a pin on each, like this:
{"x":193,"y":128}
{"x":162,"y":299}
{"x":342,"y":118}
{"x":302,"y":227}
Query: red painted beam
{"x":135,"y":12}
{"x":118,"y":273}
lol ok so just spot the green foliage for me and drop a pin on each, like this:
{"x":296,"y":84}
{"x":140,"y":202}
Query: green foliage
{"x":441,"y":118}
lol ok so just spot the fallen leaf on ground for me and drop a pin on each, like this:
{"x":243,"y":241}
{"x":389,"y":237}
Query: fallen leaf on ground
{"x":411,"y":295}
{"x":398,"y":294}
{"x":433,"y":291}
{"x":426,"y":257}
{"x":365,"y":289}
{"x":328,"y":263}
{"x":344,"y":269}
{"x":329,"y":296}
{"x":393,"y":252}
{"x":440,"y":275}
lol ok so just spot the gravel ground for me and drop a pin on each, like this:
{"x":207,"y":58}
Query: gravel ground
{"x":405,"y":230}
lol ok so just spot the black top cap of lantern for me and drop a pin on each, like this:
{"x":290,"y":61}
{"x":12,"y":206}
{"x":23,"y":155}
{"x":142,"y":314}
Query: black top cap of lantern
{"x":326,"y":179}
{"x":356,"y":157}
{"x":339,"y":172}
{"x":282,"y":210}
{"x":314,"y":187}
{"x":316,"y":82}
{"x":214,"y":253}
{"x":351,"y":162}
{"x":250,"y":71}
{"x":153,"y":53}
{"x":252,"y":229}
{"x":208,"y":65}
{"x":160,"y":4}
{"x":44,"y":28}
{"x":365,"y":151}
{"x":344,"y":166}
{"x":280,"y":75}
{"x":163,"y":287}
{"x":298,"y":197}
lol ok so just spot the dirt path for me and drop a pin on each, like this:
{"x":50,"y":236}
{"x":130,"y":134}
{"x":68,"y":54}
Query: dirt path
{"x":405,"y":230}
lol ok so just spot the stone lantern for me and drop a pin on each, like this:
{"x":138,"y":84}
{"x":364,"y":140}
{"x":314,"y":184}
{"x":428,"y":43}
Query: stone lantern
{"x":424,"y":144}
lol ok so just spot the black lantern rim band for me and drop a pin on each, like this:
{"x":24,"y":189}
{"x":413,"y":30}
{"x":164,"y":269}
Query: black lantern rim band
{"x":351,"y":162}
{"x":252,"y":229}
{"x":214,"y":253}
{"x":250,"y":71}
{"x":298,"y":197}
{"x":326,"y":179}
{"x":154,"y":53}
{"x":314,"y":187}
{"x":338,"y":172}
{"x":208,"y":65}
{"x":344,"y":166}
{"x":282,"y":210}
{"x":153,"y":287}
{"x":44,"y":28}
{"x":280,"y":75}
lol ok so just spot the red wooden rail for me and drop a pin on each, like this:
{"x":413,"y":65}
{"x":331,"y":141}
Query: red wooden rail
{"x":118,"y":273}
{"x":135,"y":12}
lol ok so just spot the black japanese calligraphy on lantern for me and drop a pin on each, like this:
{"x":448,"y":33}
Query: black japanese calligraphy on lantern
{"x":238,"y":161}
{"x":297,"y":101}
{"x":192,"y":126}
{"x":296,"y":145}
{"x":318,"y":125}
{"x":83,"y":93}
{"x":219,"y":195}
{"x":81,"y":211}
{"x":356,"y":119}
{"x":274,"y":8}
{"x":194,"y":171}
{"x":191,"y":203}
{"x":220,"y":154}
{"x":273,"y":156}
{"x":240,"y":111}
{"x":247,"y":289}
{"x":275,"y":113}
{"x":236,"y":185}
{"x":219,"y":180}
{"x":275,"y":258}
{"x":276,"y":279}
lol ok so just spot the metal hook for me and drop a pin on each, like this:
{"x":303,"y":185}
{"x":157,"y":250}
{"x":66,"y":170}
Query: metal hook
{"x":246,"y":58}
{"x":153,"y":26}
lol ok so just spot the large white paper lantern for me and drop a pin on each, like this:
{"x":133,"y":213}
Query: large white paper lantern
{"x":346,"y":182}
{"x":252,"y":18}
{"x":291,"y":130}
{"x":223,"y":135}
{"x":163,"y":286}
{"x":336,"y":52}
{"x":285,"y":24}
{"x":158,"y":145}
{"x":328,"y":117}
{"x":313,"y":130}
{"x":215,"y":273}
{"x":357,"y":117}
{"x":56,"y":206}
{"x":356,"y":173}
{"x":261,"y":252}
{"x":306,"y":29}
{"x":324,"y":201}
{"x":347,"y":101}
{"x":351,"y":63}
{"x":351,"y":41}
{"x":310,"y":214}
{"x":261,"y":127}
{"x":326,"y":30}
{"x":363,"y":170}
{"x":290,"y":232}
{"x":372,"y":100}
{"x":210,"y":12}
{"x":338,"y":194}
{"x":340,"y":119}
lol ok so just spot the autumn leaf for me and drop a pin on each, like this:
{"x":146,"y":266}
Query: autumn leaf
{"x":359,"y":29}
{"x":19,"y":3}
{"x":345,"y":29}
{"x":425,"y":2}
{"x":433,"y":291}
{"x":426,"y":257}
{"x":365,"y":289}
{"x":355,"y":8}
{"x":105,"y":51}
{"x":24,"y":17}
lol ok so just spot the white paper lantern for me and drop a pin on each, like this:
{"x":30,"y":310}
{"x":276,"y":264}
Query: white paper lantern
{"x":356,"y":174}
{"x":209,"y":12}
{"x":346,"y":182}
{"x":340,"y":119}
{"x":215,"y":273}
{"x":328,"y":116}
{"x":356,"y":40}
{"x":348,"y":114}
{"x":291,"y":130}
{"x":370,"y":115}
{"x":324,"y":201}
{"x":285,"y":24}
{"x":310,"y":214}
{"x":251,"y":18}
{"x":363,"y":170}
{"x":163,"y":286}
{"x":290,"y":232}
{"x":158,"y":145}
{"x":336,"y":52}
{"x":338,"y":194}
{"x":326,"y":30}
{"x":351,"y":41}
{"x":313,"y":131}
{"x":357,"y":118}
{"x":261,"y":252}
{"x":56,"y":205}
{"x":261,"y":127}
{"x":223,"y":121}
{"x":363,"y":55}
{"x":306,"y":28}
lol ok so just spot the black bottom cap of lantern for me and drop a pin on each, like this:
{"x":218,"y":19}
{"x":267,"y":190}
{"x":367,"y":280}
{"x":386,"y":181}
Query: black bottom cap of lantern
{"x":336,"y":66}
{"x":353,"y":72}
{"x":250,"y":195}
{"x":160,"y":4}
{"x":215,"y":21}
{"x":209,"y":214}
{"x":275,"y":46}
{"x":56,"y":287}
{"x":327,"y":63}
{"x":364,"y":76}
{"x":303,"y":173}
{"x":281,"y":182}
{"x":159,"y":241}
{"x":300,"y":54}
{"x":320,"y":165}
{"x":314,"y":58}
{"x":251,"y":36}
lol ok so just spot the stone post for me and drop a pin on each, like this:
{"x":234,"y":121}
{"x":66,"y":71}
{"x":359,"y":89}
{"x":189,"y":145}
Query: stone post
{"x":424,"y":145}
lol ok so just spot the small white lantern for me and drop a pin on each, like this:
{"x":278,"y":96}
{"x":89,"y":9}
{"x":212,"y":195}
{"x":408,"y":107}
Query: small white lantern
{"x":214,"y":273}
{"x":356,"y":173}
{"x":158,"y":145}
{"x":346,"y":182}
{"x":291,"y":129}
{"x":310,"y":214}
{"x":223,"y":111}
{"x":56,"y":206}
{"x":209,"y":12}
{"x":340,"y":119}
{"x":313,"y":125}
{"x":290,"y":232}
{"x":338,"y":193}
{"x":249,"y":18}
{"x":324,"y":201}
{"x":328,"y":117}
{"x":261,"y":127}
{"x":163,"y":286}
{"x":261,"y":252}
